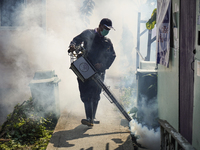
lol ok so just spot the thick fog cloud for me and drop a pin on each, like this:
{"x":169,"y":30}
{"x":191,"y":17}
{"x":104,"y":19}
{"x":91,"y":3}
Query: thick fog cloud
{"x":42,"y":40}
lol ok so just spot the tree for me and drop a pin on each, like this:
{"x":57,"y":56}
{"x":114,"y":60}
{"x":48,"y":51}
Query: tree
{"x":86,"y":10}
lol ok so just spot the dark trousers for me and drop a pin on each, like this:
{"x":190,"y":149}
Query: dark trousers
{"x":90,"y":109}
{"x":90,"y":96}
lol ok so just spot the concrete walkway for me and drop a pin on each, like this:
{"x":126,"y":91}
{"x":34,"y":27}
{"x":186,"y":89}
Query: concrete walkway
{"x":111,"y":134}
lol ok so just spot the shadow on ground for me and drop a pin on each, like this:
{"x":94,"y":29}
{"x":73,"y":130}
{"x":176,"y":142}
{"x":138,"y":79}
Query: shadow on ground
{"x":62,"y":138}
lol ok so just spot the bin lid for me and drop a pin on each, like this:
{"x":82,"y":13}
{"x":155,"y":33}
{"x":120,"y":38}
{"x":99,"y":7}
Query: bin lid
{"x":50,"y":80}
{"x":148,"y":65}
{"x":45,"y":76}
{"x":147,"y":71}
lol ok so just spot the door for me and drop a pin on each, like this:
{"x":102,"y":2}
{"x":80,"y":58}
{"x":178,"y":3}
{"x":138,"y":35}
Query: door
{"x":186,"y":64}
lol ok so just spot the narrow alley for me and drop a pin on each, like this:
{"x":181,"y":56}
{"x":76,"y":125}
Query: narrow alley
{"x":112,"y":132}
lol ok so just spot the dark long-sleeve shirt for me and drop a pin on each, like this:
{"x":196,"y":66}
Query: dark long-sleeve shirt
{"x":99,"y":48}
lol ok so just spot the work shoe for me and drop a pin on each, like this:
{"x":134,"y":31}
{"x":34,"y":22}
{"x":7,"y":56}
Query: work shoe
{"x":96,"y":121}
{"x":87,"y":122}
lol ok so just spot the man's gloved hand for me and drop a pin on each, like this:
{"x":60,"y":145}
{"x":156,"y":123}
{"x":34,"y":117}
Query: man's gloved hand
{"x":71,"y":48}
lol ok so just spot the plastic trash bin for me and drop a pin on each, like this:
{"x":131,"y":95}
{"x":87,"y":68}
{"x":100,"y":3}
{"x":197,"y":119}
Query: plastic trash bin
{"x":45,"y":92}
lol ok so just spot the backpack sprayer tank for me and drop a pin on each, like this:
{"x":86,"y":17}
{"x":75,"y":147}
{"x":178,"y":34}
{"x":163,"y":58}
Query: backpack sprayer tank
{"x":85,"y":70}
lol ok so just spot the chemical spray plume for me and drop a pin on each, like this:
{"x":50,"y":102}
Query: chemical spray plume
{"x":148,"y":138}
{"x":145,"y":128}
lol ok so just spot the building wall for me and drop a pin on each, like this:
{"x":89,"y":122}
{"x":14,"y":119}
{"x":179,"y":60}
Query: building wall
{"x":196,"y":110}
{"x":168,"y":79}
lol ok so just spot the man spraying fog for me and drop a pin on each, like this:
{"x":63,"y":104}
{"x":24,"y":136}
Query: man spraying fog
{"x":100,"y":52}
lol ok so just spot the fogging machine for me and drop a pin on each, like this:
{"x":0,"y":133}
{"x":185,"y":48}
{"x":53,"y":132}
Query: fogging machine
{"x":85,"y":70}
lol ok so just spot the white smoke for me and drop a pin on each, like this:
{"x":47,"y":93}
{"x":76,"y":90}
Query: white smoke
{"x":33,"y":47}
{"x":148,"y":138}
{"x":42,"y":43}
{"x":145,"y":126}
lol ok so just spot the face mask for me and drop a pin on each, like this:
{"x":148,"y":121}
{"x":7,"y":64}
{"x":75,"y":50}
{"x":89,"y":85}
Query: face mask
{"x":104,"y":32}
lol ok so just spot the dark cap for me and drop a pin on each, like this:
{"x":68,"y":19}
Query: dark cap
{"x":107,"y":22}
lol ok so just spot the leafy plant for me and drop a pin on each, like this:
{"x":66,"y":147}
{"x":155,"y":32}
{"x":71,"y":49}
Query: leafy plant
{"x":127,"y":90}
{"x":133,"y":111}
{"x":26,"y":128}
{"x":126,"y":96}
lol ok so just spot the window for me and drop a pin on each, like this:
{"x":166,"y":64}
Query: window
{"x":10,"y":12}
